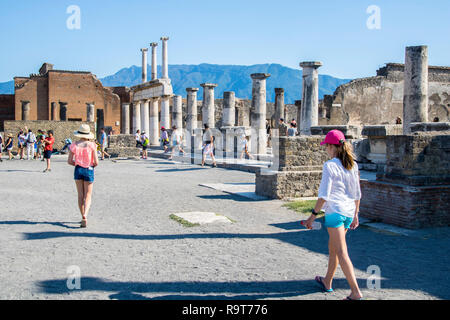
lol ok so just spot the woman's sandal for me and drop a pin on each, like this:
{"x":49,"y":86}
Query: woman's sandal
{"x":319,"y":281}
{"x":83,"y":223}
{"x":348,"y":298}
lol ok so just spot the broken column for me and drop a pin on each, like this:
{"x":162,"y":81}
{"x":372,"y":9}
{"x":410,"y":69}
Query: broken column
{"x":136,"y":116}
{"x":310,"y":96}
{"x":165,"y":111}
{"x":208,"y":109}
{"x":90,"y":115}
{"x":259,"y":142}
{"x":191,"y":118}
{"x":125,"y":118}
{"x":154,"y":62}
{"x":279,"y":106}
{"x":154,"y":124}
{"x":229,"y":109}
{"x":54,"y":115}
{"x":177,"y":112}
{"x":145,"y":119}
{"x":415,"y":92}
{"x":26,"y":110}
{"x":63,"y":111}
{"x":144,"y":64}
{"x":165,"y":61}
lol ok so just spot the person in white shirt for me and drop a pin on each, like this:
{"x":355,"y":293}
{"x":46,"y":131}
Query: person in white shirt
{"x":244,"y":144}
{"x":30,"y":141}
{"x":340,"y":192}
{"x":177,"y":139}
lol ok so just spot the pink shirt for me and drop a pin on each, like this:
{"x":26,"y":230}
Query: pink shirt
{"x":83,"y":156}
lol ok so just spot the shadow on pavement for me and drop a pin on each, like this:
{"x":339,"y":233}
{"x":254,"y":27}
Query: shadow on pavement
{"x":58,"y":224}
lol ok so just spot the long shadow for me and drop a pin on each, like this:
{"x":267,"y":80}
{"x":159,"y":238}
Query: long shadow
{"x":225,"y":197}
{"x":189,"y":290}
{"x":406,"y":263}
{"x":179,"y":170}
{"x":57,"y":224}
{"x":19,"y":170}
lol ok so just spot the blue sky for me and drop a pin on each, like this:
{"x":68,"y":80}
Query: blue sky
{"x":240,"y":32}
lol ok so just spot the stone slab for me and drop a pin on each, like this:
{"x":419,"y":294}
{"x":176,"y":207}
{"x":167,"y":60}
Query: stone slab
{"x":198,"y":217}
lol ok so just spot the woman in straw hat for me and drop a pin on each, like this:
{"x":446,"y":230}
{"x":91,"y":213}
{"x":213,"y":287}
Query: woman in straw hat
{"x":341,"y":192}
{"x":83,"y":155}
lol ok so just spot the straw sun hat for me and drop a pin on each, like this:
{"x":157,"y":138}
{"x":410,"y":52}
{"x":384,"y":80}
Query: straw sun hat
{"x":84,"y":131}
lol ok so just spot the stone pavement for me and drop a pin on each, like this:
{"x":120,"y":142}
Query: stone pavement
{"x":133,"y":250}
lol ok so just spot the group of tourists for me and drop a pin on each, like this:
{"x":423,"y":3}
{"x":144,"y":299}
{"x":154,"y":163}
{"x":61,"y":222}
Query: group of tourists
{"x":170,"y":143}
{"x":38,"y":146}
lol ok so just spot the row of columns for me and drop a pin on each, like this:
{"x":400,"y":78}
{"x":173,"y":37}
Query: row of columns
{"x":90,"y":111}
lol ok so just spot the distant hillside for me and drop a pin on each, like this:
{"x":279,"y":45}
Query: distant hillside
{"x":228,"y":77}
{"x":7,"y":87}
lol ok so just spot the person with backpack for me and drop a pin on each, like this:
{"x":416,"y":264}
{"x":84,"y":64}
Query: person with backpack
{"x":145,"y":141}
{"x":165,"y":139}
{"x":340,"y":191}
{"x":31,"y":139}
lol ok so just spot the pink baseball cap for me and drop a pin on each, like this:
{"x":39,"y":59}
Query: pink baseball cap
{"x":334,"y":137}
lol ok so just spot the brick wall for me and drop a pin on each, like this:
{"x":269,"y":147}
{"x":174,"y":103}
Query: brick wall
{"x":61,"y":129}
{"x":405,"y":206}
{"x":6,"y":108}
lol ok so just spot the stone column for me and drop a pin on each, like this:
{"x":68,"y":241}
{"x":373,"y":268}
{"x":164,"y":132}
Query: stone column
{"x":415,"y":92}
{"x":144,"y":64}
{"x":136,"y":116}
{"x":145,"y":117}
{"x":165,"y":111}
{"x":154,"y":61}
{"x":229,"y":109}
{"x":90,"y":115}
{"x":310,"y":96}
{"x":154,"y":124}
{"x":191,"y":118}
{"x":208,"y":109}
{"x":63,"y":111}
{"x":165,"y":61}
{"x":259,"y":117}
{"x":177,"y":112}
{"x":125,"y":118}
{"x":54,"y":111}
{"x":26,"y":110}
{"x":279,"y":106}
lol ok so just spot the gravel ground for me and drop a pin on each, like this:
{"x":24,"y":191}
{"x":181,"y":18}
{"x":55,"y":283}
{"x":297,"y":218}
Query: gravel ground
{"x":133,"y":250}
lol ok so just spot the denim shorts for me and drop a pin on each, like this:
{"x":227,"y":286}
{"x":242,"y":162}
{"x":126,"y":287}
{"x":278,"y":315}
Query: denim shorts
{"x":86,"y":174}
{"x":336,"y":220}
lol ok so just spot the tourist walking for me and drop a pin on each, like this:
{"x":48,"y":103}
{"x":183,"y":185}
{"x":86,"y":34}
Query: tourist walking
{"x":340,"y":191}
{"x":48,"y":149}
{"x":9,"y":145}
{"x":21,"y":143}
{"x":164,"y":139}
{"x":145,"y":141}
{"x":244,"y":144}
{"x":208,"y":146}
{"x":83,"y":156}
{"x":31,"y":140}
{"x":177,"y":140}
{"x":137,"y":136}
{"x":104,"y":143}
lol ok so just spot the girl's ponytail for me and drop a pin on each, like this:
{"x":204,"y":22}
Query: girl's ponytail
{"x":345,"y":154}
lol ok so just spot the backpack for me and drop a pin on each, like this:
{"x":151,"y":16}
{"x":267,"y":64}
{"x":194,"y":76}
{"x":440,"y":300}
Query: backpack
{"x":146,"y":142}
{"x":31,"y":138}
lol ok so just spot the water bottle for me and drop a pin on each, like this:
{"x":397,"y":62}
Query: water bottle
{"x":316,"y":225}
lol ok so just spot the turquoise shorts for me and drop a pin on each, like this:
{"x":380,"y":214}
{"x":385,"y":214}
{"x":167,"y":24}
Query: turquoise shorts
{"x":336,"y":220}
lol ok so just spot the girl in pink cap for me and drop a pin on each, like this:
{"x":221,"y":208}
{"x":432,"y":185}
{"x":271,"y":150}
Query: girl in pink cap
{"x":340,"y":193}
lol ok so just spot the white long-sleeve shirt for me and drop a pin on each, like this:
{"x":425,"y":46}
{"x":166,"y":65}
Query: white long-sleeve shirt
{"x":340,"y":188}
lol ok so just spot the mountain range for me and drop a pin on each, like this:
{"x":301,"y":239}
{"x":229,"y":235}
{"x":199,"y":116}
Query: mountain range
{"x":228,"y":77}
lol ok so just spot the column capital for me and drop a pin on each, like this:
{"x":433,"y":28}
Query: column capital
{"x":154,"y":44}
{"x":228,"y":94}
{"x":144,"y":49}
{"x":311,"y":64}
{"x":191,"y":89}
{"x":24,"y":101}
{"x":260,"y":76}
{"x":279,"y":90}
{"x":208,"y":85}
{"x":164,"y":38}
